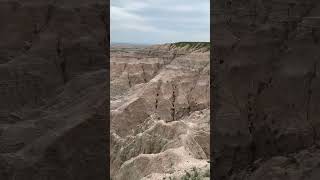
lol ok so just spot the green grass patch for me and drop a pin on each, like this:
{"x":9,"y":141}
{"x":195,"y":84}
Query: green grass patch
{"x":193,"y":174}
{"x":192,"y":45}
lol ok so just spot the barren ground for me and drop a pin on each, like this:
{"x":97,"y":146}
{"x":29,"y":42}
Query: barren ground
{"x":159,"y":111}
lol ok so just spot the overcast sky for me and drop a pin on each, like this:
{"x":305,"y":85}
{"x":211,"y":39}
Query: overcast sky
{"x":159,"y":21}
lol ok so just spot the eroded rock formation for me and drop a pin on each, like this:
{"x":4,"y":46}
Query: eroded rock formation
{"x":159,"y":111}
{"x":267,"y":58}
{"x":53,"y":89}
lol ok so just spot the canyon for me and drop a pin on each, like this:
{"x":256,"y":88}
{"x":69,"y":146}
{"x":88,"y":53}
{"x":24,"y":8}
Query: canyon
{"x":160,"y":111}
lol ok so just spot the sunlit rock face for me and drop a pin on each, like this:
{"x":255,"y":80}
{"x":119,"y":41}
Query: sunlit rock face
{"x":267,"y":59}
{"x":159,"y":111}
{"x":53,"y":89}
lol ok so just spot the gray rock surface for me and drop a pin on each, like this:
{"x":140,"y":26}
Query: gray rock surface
{"x":53,"y":67}
{"x":267,"y":58}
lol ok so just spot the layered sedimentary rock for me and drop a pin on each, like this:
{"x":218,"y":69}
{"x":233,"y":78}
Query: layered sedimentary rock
{"x":159,"y":111}
{"x":53,"y":89}
{"x":267,"y":84}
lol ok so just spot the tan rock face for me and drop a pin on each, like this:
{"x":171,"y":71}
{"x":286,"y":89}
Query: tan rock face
{"x":159,"y":112}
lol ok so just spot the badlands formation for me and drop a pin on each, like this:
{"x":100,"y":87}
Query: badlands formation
{"x":267,"y":121}
{"x":160,"y":111}
{"x":53,"y":69}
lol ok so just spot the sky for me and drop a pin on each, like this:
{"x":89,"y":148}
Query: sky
{"x":159,"y":21}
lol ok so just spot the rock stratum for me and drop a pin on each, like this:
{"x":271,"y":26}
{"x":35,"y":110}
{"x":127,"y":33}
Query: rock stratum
{"x":266,"y":57}
{"x":160,"y":101}
{"x":53,"y":69}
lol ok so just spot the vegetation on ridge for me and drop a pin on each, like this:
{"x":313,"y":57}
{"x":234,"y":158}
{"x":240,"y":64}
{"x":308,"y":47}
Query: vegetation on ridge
{"x":192,"y":45}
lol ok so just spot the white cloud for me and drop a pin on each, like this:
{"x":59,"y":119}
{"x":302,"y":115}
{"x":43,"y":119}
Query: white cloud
{"x":160,"y":20}
{"x":121,"y":18}
{"x":136,"y":6}
{"x":118,"y":13}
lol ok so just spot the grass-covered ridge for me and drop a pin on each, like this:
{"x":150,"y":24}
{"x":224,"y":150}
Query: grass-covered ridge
{"x":192,"y":45}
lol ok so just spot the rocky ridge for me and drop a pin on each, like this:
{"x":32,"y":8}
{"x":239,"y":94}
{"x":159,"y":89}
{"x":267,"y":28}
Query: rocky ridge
{"x":159,"y":111}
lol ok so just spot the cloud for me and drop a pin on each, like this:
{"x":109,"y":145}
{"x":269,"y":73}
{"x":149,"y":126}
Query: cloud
{"x":121,"y":18}
{"x":159,"y":21}
{"x":119,"y":13}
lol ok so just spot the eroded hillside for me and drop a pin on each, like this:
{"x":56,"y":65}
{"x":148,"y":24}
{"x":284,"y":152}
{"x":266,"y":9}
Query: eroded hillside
{"x":159,"y":111}
{"x":53,"y":69}
{"x":266,"y":124}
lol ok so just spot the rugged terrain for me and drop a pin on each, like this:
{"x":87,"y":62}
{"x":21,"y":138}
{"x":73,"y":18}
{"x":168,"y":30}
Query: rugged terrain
{"x":53,"y":69}
{"x":266,"y":57}
{"x":160,"y":111}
